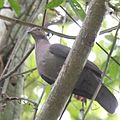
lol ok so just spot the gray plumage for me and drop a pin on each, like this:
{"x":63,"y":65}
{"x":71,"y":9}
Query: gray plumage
{"x":50,"y":58}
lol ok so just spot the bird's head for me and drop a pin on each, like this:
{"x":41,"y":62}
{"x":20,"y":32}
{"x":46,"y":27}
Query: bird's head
{"x":37,"y":33}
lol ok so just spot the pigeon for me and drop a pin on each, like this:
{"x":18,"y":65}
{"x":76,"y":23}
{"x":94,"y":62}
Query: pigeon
{"x":51,"y":57}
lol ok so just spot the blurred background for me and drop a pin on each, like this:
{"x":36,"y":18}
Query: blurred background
{"x":24,"y":83}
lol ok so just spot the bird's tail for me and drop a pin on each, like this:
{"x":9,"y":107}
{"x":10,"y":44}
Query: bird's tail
{"x":107,"y":100}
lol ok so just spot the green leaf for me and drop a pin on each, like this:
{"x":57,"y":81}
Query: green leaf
{"x":15,"y":5}
{"x":54,"y":3}
{"x":109,"y":37}
{"x":1,"y":3}
{"x":77,"y":9}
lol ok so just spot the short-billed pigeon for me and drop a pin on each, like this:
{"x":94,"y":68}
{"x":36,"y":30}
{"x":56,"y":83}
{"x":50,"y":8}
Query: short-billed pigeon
{"x":50,"y":58}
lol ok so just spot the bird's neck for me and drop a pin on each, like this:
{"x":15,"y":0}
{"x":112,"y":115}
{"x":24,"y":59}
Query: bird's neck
{"x":40,"y":49}
{"x":41,"y":43}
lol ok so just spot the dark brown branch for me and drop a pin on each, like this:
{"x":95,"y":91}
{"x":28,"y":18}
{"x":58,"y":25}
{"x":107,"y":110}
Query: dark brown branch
{"x":28,"y":71}
{"x":28,"y":24}
{"x":8,"y":98}
{"x":48,"y":30}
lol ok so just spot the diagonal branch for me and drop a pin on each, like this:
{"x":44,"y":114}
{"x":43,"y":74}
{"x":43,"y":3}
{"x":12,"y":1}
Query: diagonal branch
{"x":31,"y":25}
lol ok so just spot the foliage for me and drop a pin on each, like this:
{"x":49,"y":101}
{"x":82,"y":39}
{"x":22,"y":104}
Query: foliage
{"x":77,"y":8}
{"x":14,"y":5}
{"x":33,"y":83}
{"x":1,"y":3}
{"x":54,"y":3}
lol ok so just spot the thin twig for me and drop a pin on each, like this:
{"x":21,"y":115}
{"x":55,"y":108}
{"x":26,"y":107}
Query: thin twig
{"x":28,"y":24}
{"x":25,"y":72}
{"x":70,"y":16}
{"x":107,"y":54}
{"x":106,"y":66}
{"x":44,"y":15}
{"x":35,"y":113}
{"x":108,"y":30}
{"x":7,"y":98}
{"x":82,"y":109}
{"x":63,"y":23}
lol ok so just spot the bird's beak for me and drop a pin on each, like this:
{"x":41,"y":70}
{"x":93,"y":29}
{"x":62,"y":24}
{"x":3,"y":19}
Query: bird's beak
{"x":29,"y":31}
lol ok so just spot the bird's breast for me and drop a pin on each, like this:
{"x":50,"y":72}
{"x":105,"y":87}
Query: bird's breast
{"x":48,"y":64}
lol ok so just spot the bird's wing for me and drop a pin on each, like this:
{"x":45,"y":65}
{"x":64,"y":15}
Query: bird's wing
{"x":92,"y":67}
{"x":62,"y":51}
{"x":59,"y":50}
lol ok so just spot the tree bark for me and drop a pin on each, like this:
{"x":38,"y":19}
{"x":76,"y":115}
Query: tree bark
{"x":74,"y":63}
{"x":17,"y":42}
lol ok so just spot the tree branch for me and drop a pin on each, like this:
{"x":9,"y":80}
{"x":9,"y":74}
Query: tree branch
{"x":28,"y":24}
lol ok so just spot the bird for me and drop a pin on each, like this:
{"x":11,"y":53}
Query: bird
{"x":51,"y":57}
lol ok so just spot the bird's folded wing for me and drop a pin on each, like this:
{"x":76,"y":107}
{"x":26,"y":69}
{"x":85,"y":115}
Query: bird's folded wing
{"x":92,"y":67}
{"x":62,"y":51}
{"x":59,"y":50}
